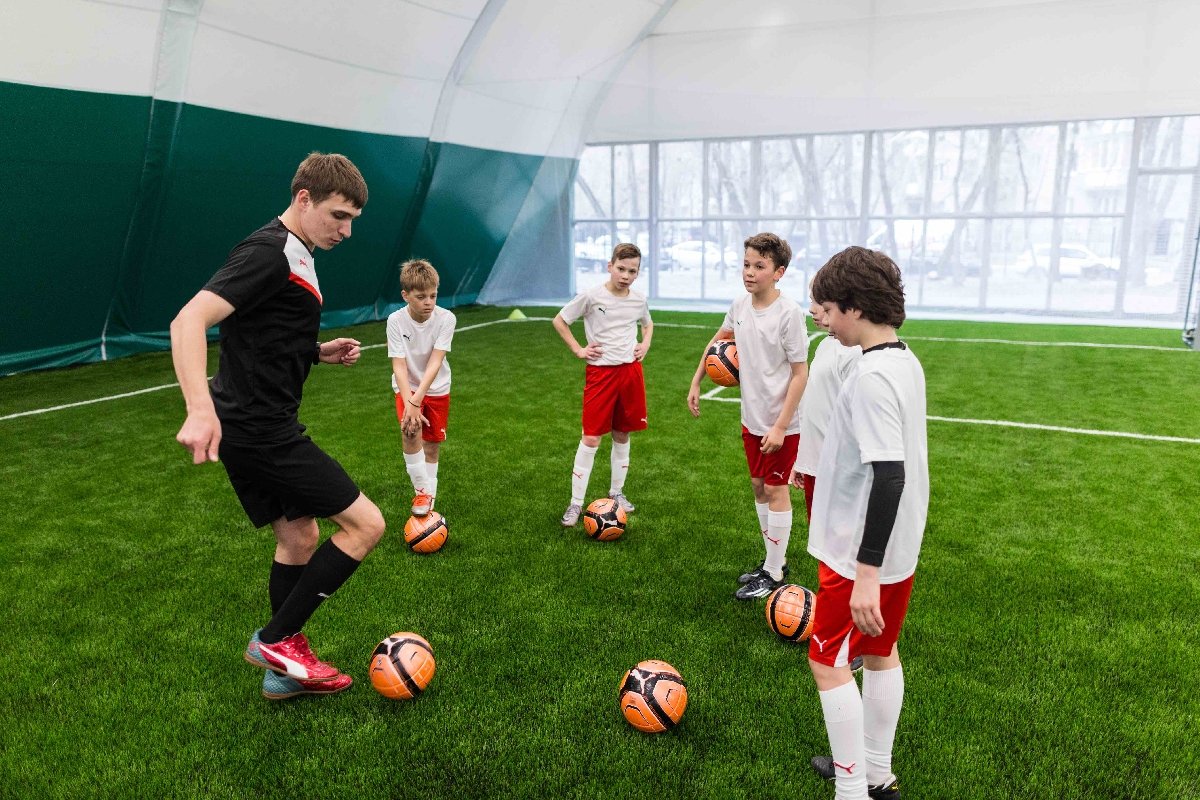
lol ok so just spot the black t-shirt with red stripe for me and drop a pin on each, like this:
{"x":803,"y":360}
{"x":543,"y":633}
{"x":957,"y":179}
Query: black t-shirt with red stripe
{"x":269,"y":341}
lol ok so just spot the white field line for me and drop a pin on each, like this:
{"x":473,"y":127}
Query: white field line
{"x":711,"y":395}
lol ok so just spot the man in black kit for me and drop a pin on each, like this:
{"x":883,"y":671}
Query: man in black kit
{"x":268,"y":303}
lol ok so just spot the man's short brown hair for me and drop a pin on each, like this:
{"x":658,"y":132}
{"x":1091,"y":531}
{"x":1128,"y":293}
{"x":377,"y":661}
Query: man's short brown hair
{"x":326,"y":174}
{"x":625,"y":250}
{"x":417,"y":275}
{"x":772,"y":246}
{"x":864,"y":279}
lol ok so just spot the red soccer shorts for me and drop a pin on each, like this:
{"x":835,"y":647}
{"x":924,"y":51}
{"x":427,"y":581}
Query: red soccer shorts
{"x":774,"y":468}
{"x":833,"y":625}
{"x":614,"y":399}
{"x":436,"y":409}
{"x":809,"y":482}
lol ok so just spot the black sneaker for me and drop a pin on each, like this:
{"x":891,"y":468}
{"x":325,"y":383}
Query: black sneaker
{"x":857,"y":664}
{"x":823,"y":766}
{"x":760,"y":585}
{"x":746,"y":577}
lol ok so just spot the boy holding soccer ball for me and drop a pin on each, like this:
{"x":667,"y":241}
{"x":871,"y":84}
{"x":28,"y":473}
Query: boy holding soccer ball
{"x":614,"y":396}
{"x":772,"y":346}
{"x":419,"y":336}
{"x":868,"y":519}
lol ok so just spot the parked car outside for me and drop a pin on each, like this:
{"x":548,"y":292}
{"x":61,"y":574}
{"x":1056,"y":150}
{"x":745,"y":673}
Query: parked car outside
{"x":694,"y":253}
{"x":1074,"y":261}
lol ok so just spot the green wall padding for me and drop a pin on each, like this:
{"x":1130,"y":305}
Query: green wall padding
{"x":129,"y":206}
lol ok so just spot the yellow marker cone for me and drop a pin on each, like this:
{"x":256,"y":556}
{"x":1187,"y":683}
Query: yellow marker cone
{"x":516,"y":314}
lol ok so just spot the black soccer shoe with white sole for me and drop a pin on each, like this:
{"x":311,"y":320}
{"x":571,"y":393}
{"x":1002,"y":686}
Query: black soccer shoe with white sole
{"x":760,"y":585}
{"x":746,"y":577}
{"x":823,"y":766}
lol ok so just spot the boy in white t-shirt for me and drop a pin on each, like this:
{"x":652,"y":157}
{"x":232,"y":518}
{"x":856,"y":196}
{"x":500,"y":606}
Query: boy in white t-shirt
{"x":614,"y":395}
{"x":419,"y":336}
{"x":772,"y":346}
{"x":830,"y":365}
{"x":868,"y":519}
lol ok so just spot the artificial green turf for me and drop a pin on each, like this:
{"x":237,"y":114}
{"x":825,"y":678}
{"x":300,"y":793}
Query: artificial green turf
{"x":1049,"y":652}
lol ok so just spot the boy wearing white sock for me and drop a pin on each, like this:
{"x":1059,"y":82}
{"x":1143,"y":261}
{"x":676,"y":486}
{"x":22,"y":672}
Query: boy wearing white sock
{"x":419,"y":337}
{"x":614,"y":395}
{"x":868,"y":519}
{"x":772,"y":347}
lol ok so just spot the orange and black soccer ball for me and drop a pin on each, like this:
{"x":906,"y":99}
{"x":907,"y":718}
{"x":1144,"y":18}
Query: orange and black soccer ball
{"x":653,"y":696}
{"x":721,"y":362}
{"x":790,"y":612}
{"x":604,"y":519}
{"x":402,"y":666}
{"x":426,"y":534}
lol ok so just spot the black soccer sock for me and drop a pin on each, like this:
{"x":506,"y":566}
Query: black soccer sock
{"x":325,"y":572}
{"x":283,"y":579}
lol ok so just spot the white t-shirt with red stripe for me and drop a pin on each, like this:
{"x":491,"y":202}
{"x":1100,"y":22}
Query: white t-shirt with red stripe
{"x":415,"y":342}
{"x":769,"y":341}
{"x":609,"y":321}
{"x":831,"y":364}
{"x":879,"y":415}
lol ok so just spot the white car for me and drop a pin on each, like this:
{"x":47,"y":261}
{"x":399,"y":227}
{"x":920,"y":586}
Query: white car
{"x":1074,"y":261}
{"x":694,"y":253}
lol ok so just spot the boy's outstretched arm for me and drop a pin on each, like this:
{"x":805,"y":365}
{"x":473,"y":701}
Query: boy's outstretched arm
{"x":693,"y":398}
{"x":591,"y":350}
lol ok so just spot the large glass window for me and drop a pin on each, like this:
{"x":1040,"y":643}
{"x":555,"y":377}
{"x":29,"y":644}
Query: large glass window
{"x":1089,"y":218}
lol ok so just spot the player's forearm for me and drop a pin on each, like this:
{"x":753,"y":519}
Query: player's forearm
{"x":791,"y":400}
{"x":431,"y":371}
{"x":400,"y":373}
{"x":647,"y":334}
{"x":882,"y":507}
{"x":189,"y":355}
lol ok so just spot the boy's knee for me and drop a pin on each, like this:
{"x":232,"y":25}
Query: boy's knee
{"x":591,"y":441}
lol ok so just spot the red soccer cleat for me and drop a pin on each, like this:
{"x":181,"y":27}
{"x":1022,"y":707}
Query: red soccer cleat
{"x":281,"y":687}
{"x":292,"y":656}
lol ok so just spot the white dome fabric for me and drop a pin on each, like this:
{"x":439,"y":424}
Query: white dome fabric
{"x":713,"y":68}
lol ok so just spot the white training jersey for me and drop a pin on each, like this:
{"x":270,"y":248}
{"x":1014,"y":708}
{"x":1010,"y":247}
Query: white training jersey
{"x":415,"y":342}
{"x":769,"y":341}
{"x":609,"y":321}
{"x":879,"y":415}
{"x":830,"y":365}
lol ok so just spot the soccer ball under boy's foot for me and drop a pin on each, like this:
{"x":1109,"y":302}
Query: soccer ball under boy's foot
{"x":281,"y":687}
{"x":823,"y":766}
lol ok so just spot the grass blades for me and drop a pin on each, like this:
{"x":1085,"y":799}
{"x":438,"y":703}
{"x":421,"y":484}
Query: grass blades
{"x":1049,"y":652}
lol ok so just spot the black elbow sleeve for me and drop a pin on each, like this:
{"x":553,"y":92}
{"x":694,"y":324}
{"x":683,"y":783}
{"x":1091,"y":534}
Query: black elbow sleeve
{"x":882,"y":506}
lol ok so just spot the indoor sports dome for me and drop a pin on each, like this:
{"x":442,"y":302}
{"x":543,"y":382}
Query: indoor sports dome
{"x":1019,"y":159}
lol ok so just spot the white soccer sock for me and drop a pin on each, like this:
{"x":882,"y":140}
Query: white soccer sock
{"x":843,"y":710}
{"x":762,"y":509}
{"x":431,"y":469}
{"x":585,"y":457}
{"x":415,"y":463}
{"x":882,"y":696}
{"x":619,"y":459}
{"x":779,"y":530}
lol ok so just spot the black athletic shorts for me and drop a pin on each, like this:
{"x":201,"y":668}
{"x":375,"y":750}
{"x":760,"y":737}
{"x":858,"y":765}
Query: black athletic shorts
{"x":292,"y":479}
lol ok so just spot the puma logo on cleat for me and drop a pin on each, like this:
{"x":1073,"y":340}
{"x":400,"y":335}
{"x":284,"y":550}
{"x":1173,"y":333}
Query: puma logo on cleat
{"x":849,"y":769}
